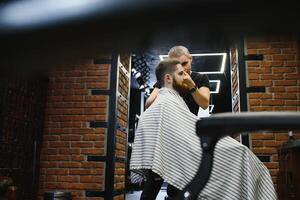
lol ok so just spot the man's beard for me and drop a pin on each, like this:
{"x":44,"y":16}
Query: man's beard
{"x":179,"y":87}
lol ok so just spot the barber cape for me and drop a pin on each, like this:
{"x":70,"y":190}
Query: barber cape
{"x":166,"y":142}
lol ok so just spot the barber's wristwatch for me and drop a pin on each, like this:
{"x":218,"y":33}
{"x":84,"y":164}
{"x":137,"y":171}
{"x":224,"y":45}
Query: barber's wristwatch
{"x":193,"y":89}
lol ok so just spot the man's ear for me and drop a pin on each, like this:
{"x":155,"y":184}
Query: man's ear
{"x":168,"y":79}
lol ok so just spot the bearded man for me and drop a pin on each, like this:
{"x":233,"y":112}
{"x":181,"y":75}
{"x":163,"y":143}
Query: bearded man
{"x":167,"y":147}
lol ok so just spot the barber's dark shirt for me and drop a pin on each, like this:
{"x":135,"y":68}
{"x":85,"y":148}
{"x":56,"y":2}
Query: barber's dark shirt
{"x":201,"y":80}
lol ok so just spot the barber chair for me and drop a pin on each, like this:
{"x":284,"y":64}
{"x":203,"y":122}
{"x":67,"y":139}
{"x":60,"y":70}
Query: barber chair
{"x":208,"y":129}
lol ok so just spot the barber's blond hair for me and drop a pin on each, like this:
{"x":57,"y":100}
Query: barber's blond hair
{"x":177,"y":51}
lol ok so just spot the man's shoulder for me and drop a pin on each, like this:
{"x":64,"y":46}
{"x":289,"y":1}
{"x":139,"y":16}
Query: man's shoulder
{"x":200,"y":79}
{"x":197,"y":75}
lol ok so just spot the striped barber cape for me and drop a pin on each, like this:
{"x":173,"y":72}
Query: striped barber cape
{"x":166,"y":142}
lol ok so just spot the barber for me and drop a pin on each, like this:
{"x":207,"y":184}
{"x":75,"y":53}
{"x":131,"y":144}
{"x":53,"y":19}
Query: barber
{"x":198,"y":84}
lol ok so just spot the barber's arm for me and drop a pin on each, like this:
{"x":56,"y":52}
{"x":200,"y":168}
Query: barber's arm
{"x":200,"y":95}
{"x":152,"y":97}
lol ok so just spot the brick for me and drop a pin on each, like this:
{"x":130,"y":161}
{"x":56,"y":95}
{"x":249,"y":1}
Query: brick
{"x":58,"y":158}
{"x":91,"y":105}
{"x":264,"y":150}
{"x":44,"y":164}
{"x":274,"y":158}
{"x":96,"y":85}
{"x":82,"y":144}
{"x":69,"y":151}
{"x":57,"y":171}
{"x":253,"y":76}
{"x":253,"y":63}
{"x":51,"y":137}
{"x":60,"y":130}
{"x":69,"y":164}
{"x":81,"y":92}
{"x":71,"y":124}
{"x":255,"y":70}
{"x":277,"y":89}
{"x":92,"y":165}
{"x":289,"y":51}
{"x":63,"y":92}
{"x":47,"y":151}
{"x":285,"y":83}
{"x":100,"y":144}
{"x":53,"y":144}
{"x":77,"y":158}
{"x":283,"y":70}
{"x":257,"y":45}
{"x":100,"y":72}
{"x":281,"y":45}
{"x":272,"y":102}
{"x":93,"y":67}
{"x":89,"y":111}
{"x":273,"y":172}
{"x":252,"y":51}
{"x":284,"y":57}
{"x":52,"y":125}
{"x":281,"y":137}
{"x":82,"y":131}
{"x":260,"y":96}
{"x":261,"y":108}
{"x":72,"y":111}
{"x":74,"y":86}
{"x":272,"y":165}
{"x":97,"y":117}
{"x":290,"y":63}
{"x":260,"y":83}
{"x":267,"y":58}
{"x":63,"y":105}
{"x":79,"y":171}
{"x":67,"y":178}
{"x":292,"y":76}
{"x":292,"y":102}
{"x":285,"y":108}
{"x":269,"y":51}
{"x":73,"y":98}
{"x":92,"y":151}
{"x":271,"y":143}
{"x":271,"y":76}
{"x":93,"y":137}
{"x":51,"y":178}
{"x":285,"y":96}
{"x":293,"y":89}
{"x":96,"y":98}
{"x":262,"y":136}
{"x":71,"y":137}
{"x":91,"y":179}
{"x":75,"y":73}
{"x":65,"y":79}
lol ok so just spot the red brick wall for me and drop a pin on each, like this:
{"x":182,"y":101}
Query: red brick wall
{"x":279,"y":73}
{"x":68,"y":139}
{"x":122,"y":121}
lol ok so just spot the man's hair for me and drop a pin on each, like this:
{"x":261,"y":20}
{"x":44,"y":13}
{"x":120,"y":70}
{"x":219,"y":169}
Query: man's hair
{"x":167,"y":66}
{"x":178,"y":51}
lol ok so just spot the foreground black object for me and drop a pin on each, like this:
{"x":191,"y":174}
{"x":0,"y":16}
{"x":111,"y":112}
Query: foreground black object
{"x":211,"y":129}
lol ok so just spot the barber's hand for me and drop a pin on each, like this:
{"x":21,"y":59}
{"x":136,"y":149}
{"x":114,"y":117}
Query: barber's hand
{"x":188,"y":81}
